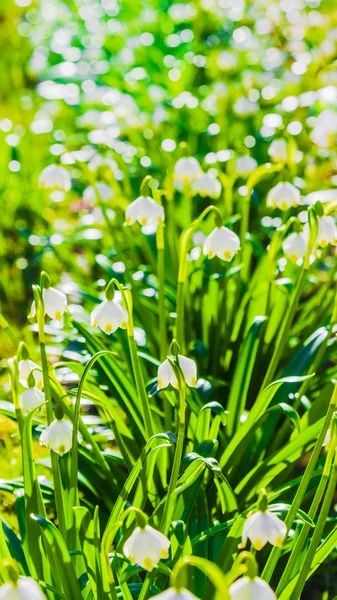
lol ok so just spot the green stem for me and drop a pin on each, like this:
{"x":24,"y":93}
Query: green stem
{"x":296,"y":503}
{"x":138,"y":374}
{"x":161,"y":291}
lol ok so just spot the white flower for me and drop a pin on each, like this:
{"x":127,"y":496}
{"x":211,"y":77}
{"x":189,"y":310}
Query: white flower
{"x":146,"y":547}
{"x":31,"y":398}
{"x":251,"y":589}
{"x":263,"y":527}
{"x":325,"y":129}
{"x":145,"y":210}
{"x":109,"y":316}
{"x":55,"y":178}
{"x":55,"y":304}
{"x":278,"y":151}
{"x":283,"y":196}
{"x":186,"y":170}
{"x":206,"y":185}
{"x":226,"y":61}
{"x":222,"y":242}
{"x":244,"y":165}
{"x":58,"y":436}
{"x":322,"y":196}
{"x":295,"y":246}
{"x":23,"y":589}
{"x":167,"y":376}
{"x":173,"y":594}
{"x":99,"y":191}
{"x":327,"y":231}
{"x":25,"y":369}
{"x":245,"y":107}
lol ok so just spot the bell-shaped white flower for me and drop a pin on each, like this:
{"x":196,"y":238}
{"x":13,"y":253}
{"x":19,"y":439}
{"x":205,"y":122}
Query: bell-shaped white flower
{"x":206,"y":186}
{"x":145,"y":547}
{"x":58,"y":436}
{"x":278,"y":151}
{"x":99,"y":191}
{"x":327,"y":231}
{"x":31,"y":398}
{"x":55,"y":304}
{"x":295,"y":246}
{"x":262,"y":527}
{"x":251,"y":589}
{"x":321,"y":196}
{"x":283,"y":196}
{"x":166,"y":375}
{"x":25,"y":369}
{"x":109,"y":315}
{"x":173,"y":594}
{"x":55,"y":178}
{"x":24,"y":589}
{"x":244,"y":165}
{"x":145,"y":210}
{"x":222,"y":242}
{"x":186,"y":170}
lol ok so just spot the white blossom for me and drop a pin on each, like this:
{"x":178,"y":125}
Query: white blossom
{"x":222,"y":242}
{"x":278,"y":151}
{"x":321,"y":196}
{"x":206,"y":186}
{"x":24,"y":589}
{"x":251,"y":589}
{"x":31,"y":398}
{"x":186,"y":170}
{"x":55,"y":178}
{"x":109,"y":315}
{"x":58,"y":436}
{"x":327,"y":231}
{"x":295,"y":246}
{"x":245,"y":107}
{"x":173,"y":594}
{"x":166,"y":374}
{"x":262,"y":527}
{"x":55,"y":304}
{"x":99,"y":191}
{"x":146,"y":547}
{"x":145,"y":210}
{"x":25,"y":369}
{"x":244,"y":165}
{"x":283,"y":196}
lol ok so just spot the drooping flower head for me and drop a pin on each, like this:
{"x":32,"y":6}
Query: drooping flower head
{"x":206,"y":186}
{"x":167,"y":376}
{"x":55,"y":178}
{"x":222,"y":242}
{"x":31,"y":398}
{"x":278,"y":151}
{"x":109,"y":316}
{"x":54,"y":302}
{"x":145,"y":210}
{"x":251,"y":589}
{"x":23,"y":589}
{"x":244,"y":165}
{"x":327,"y":231}
{"x":173,"y":594}
{"x":186,"y":170}
{"x":295,"y":246}
{"x":58,"y":436}
{"x":26,"y":366}
{"x":262,"y":527}
{"x":283,"y":196}
{"x":146,"y":546}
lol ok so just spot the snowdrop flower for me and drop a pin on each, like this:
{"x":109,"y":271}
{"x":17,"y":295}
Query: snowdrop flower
{"x":283,"y":196}
{"x":251,"y":589}
{"x":321,"y":196}
{"x":278,"y":151}
{"x":109,"y":315}
{"x":244,"y":165}
{"x":262,"y":527}
{"x":22,"y":589}
{"x":325,"y":129}
{"x":146,"y":547}
{"x":186,"y":170}
{"x":222,"y":242}
{"x":58,"y":436}
{"x":30,"y":399}
{"x":173,"y":594}
{"x":295,"y":246}
{"x":55,"y":304}
{"x":145,"y":210}
{"x":166,"y":374}
{"x":55,"y":178}
{"x":327,"y":231}
{"x":97,"y":192}
{"x":206,"y":185}
{"x":25,"y":369}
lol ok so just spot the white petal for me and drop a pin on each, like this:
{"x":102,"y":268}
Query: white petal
{"x":25,"y":368}
{"x":166,"y":375}
{"x":189,"y":369}
{"x":30,"y":399}
{"x":109,"y":316}
{"x":173,"y":594}
{"x":55,"y":303}
{"x":26,"y":589}
{"x":245,"y":589}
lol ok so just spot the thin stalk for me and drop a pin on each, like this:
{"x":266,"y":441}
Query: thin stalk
{"x":161,"y":291}
{"x":302,"y":488}
{"x":316,"y":538}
